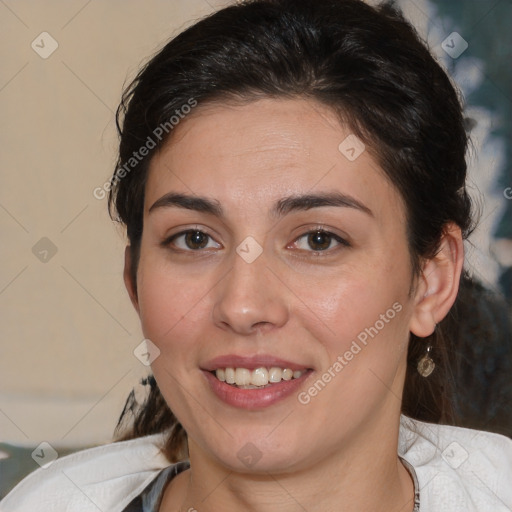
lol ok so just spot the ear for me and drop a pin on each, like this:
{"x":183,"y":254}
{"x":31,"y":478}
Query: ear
{"x":438,"y":283}
{"x":131,"y":285}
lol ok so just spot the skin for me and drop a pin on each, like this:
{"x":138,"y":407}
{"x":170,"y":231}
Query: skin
{"x":296,"y":302}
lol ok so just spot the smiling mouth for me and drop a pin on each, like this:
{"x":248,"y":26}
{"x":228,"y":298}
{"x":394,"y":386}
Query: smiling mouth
{"x":259,"y":378}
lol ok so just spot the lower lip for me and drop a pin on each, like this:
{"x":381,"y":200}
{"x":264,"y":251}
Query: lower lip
{"x":254,"y":398}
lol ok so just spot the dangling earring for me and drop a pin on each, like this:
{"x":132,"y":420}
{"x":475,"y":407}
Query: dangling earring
{"x":426,"y":364}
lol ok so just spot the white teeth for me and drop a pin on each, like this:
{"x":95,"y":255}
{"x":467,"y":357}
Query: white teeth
{"x":230,"y":375}
{"x":259,"y":377}
{"x":242,"y":376}
{"x":287,"y":374}
{"x":275,"y":374}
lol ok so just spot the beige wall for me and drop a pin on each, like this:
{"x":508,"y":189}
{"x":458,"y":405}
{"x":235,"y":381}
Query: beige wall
{"x":67,"y":327}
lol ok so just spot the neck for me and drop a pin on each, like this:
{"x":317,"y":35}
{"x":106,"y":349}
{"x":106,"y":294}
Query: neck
{"x":357,"y":476}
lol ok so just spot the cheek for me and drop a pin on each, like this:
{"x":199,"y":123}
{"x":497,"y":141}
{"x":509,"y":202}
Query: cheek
{"x":358,"y":311}
{"x":170,"y":304}
{"x":364,"y":335}
{"x":371,"y":308}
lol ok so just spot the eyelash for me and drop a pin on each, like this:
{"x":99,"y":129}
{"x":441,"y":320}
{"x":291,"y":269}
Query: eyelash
{"x":326,"y":252}
{"x":341,"y":241}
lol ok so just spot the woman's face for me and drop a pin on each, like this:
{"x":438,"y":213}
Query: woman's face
{"x":296,"y":258}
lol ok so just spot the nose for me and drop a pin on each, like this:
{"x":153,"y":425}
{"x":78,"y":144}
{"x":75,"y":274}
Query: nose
{"x":250,"y":299}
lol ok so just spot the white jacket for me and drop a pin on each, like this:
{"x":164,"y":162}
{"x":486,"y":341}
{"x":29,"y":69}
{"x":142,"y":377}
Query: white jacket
{"x":458,"y":470}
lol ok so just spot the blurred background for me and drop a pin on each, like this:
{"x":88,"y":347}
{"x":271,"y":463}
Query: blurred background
{"x":68,"y":330}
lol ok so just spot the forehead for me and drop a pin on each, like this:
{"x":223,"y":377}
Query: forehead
{"x":249,"y":155}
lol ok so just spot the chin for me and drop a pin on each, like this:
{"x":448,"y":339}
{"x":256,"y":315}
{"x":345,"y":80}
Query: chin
{"x":256,"y":453}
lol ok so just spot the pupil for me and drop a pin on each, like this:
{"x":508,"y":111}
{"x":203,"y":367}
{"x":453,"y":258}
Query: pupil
{"x":196,"y":240}
{"x":320,"y":240}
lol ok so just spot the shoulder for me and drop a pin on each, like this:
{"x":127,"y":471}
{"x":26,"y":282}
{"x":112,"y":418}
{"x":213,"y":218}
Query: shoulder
{"x":458,"y":469}
{"x":103,"y":478}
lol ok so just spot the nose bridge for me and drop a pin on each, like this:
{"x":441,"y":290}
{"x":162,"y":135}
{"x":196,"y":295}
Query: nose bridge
{"x":249,"y":295}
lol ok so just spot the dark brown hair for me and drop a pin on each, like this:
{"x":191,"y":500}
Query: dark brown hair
{"x":366,"y":63}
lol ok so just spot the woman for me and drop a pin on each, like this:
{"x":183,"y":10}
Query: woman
{"x":291,"y":175}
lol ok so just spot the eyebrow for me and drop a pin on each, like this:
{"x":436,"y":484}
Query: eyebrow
{"x":281,"y":207}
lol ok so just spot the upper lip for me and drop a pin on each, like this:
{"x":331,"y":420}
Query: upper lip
{"x":250,"y":362}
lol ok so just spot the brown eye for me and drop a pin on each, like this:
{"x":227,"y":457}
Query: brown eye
{"x":191,"y":240}
{"x":196,"y":239}
{"x":319,"y":241}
